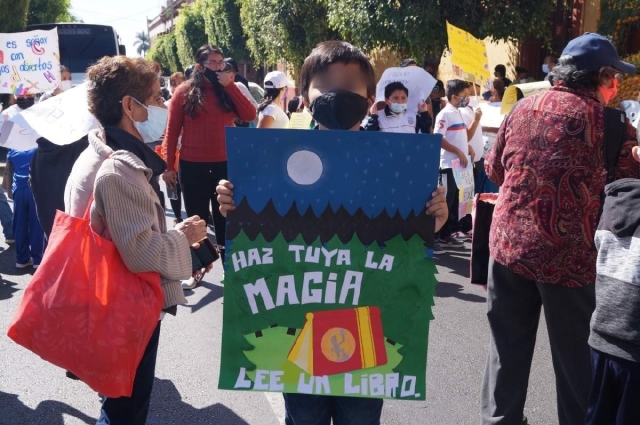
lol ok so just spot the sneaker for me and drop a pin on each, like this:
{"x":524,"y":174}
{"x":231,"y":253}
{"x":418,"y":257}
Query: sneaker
{"x":437,"y":249}
{"x":462,"y":236}
{"x":192,"y":283}
{"x":25,"y":265}
{"x":10,"y":241}
{"x":451,"y":241}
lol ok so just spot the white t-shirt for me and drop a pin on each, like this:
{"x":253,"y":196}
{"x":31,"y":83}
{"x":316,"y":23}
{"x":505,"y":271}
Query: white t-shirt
{"x":280,"y":119}
{"x":397,"y":123}
{"x":450,"y":124}
{"x":468,"y":114}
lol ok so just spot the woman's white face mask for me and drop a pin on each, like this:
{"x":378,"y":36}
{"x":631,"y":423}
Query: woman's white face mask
{"x":153,"y":128}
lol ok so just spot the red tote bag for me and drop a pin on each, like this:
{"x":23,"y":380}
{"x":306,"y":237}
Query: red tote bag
{"x":85,"y":311}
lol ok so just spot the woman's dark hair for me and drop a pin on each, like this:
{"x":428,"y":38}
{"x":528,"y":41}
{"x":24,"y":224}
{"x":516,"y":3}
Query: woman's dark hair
{"x":113,"y":78}
{"x":455,"y":87}
{"x":391,"y":87}
{"x":64,"y":69}
{"x":293,"y":105}
{"x":269,"y":96}
{"x":194,"y":100}
{"x":326,"y":54}
{"x":567,"y":72}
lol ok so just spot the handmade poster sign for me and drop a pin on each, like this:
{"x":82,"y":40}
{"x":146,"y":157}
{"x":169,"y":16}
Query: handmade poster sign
{"x":465,"y":182}
{"x":29,"y":62}
{"x":61,"y":119}
{"x":300,"y":120}
{"x":329,"y":282}
{"x":418,"y":81}
{"x":510,"y":97}
{"x":468,"y":55}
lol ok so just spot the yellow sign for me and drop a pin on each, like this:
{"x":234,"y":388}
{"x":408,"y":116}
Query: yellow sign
{"x":300,"y":120}
{"x":510,"y":97}
{"x":468,"y":55}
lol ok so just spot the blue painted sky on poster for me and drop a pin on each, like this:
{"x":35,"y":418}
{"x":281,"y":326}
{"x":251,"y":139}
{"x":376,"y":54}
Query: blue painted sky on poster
{"x":359,"y":169}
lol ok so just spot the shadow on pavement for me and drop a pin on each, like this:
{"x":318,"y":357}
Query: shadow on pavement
{"x":167,"y":408}
{"x":49,"y":412}
{"x":459,"y":261}
{"x":215,"y":293}
{"x":8,"y":269}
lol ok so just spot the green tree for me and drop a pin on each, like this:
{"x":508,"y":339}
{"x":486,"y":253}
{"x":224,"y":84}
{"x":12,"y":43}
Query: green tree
{"x":284,"y":29}
{"x":190,"y":32}
{"x":142,"y":42}
{"x":17,"y":19}
{"x":224,"y":28}
{"x":417,"y":28}
{"x":170,"y":48}
{"x":49,"y":11}
{"x":164,"y":51}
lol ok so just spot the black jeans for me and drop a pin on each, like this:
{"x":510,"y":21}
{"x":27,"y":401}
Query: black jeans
{"x":176,"y":204}
{"x":452,"y":225}
{"x":199,"y":181}
{"x":134,"y":410}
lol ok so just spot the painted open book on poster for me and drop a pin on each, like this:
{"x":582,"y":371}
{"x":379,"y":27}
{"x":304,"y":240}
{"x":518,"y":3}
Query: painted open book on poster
{"x":329,"y":280}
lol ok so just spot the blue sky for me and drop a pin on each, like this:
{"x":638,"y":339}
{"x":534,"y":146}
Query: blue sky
{"x":126,"y":16}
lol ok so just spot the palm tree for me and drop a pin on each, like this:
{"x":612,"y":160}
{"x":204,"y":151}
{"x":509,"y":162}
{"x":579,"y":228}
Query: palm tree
{"x":142,"y":41}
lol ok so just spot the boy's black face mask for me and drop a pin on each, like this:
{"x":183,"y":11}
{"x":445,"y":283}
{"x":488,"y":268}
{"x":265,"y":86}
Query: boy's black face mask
{"x":339,"y":109}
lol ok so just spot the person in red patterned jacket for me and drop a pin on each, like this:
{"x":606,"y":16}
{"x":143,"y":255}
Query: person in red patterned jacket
{"x":548,"y":159}
{"x":199,"y":111}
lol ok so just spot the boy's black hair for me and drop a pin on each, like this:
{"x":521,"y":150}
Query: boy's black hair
{"x":521,"y":70}
{"x":406,"y":62}
{"x":455,"y":87}
{"x":501,"y":69}
{"x":233,"y":63}
{"x":391,"y":87}
{"x":326,"y":54}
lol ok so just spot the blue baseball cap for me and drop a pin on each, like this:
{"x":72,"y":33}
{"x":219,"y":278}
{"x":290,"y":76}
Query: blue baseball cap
{"x":593,"y":51}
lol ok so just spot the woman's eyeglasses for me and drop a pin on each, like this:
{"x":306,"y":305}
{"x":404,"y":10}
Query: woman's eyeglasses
{"x":218,"y":63}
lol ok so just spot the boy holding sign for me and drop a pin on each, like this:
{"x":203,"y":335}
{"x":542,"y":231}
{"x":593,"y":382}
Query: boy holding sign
{"x":395,"y":118}
{"x":338,"y":85}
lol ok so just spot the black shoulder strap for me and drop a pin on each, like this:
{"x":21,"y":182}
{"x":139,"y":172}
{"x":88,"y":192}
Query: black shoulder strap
{"x":614,"y":137}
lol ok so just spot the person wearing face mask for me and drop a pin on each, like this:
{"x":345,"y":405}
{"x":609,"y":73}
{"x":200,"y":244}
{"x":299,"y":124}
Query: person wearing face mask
{"x":549,"y":63}
{"x":522,"y":76}
{"x":455,"y":146}
{"x":111,"y":177}
{"x":65,"y":84}
{"x":548,"y":159}
{"x":199,"y":111}
{"x":394,"y":118}
{"x":338,"y":86}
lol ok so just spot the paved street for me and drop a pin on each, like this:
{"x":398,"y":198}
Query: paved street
{"x":34,"y":392}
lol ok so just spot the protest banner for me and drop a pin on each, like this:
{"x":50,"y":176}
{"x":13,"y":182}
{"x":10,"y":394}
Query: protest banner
{"x":418,"y":81}
{"x":61,"y":119}
{"x":300,"y":120}
{"x":29,"y":62}
{"x":510,"y":97}
{"x":466,"y":186}
{"x":468,"y":55}
{"x":329,"y":281}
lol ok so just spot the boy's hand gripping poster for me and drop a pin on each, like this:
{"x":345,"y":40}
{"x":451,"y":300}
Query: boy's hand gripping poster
{"x":329,"y":279}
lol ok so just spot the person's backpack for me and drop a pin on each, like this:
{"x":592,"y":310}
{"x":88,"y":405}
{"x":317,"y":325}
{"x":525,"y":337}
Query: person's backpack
{"x":615,"y":131}
{"x":50,"y":169}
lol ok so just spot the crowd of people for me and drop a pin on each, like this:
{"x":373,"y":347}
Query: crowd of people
{"x":547,"y":159}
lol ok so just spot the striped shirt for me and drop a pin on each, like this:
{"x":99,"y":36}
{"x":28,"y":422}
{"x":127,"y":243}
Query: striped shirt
{"x":450,"y":124}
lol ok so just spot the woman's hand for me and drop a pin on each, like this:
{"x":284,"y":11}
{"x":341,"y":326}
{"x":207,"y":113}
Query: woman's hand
{"x":195,"y":229}
{"x":437,"y":207}
{"x":225,"y":197}
{"x":225,"y":78}
{"x":170,"y":178}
